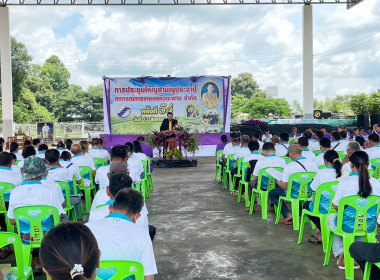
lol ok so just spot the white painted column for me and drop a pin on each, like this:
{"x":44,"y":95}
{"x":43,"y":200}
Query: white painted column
{"x":6,"y":74}
{"x":307,"y":32}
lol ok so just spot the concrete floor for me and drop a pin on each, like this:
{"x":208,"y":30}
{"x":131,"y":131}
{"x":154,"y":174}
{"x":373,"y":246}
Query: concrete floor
{"x":202,"y":233}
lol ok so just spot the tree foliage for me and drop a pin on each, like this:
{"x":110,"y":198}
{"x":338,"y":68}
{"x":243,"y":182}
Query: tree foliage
{"x":245,"y":85}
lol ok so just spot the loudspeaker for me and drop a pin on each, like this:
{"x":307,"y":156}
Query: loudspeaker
{"x":363,"y":121}
{"x":375,"y":119}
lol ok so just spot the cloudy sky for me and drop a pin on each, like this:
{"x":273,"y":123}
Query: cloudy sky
{"x":209,"y":40}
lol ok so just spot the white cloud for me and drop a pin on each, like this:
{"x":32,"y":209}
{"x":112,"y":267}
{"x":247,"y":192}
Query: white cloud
{"x":183,"y":41}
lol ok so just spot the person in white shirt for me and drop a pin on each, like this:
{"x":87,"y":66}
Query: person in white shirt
{"x":97,"y":150}
{"x":61,"y":147}
{"x":373,"y":149}
{"x":253,"y":147}
{"x":135,"y":167}
{"x":118,"y":236}
{"x":26,"y":152}
{"x":13,"y":148}
{"x":119,"y":153}
{"x":335,"y":141}
{"x":230,"y":146}
{"x":283,"y":145}
{"x":298,"y":164}
{"x":7,"y":175}
{"x":331,"y":173}
{"x":70,"y":251}
{"x":352,"y":147}
{"x":65,"y":161}
{"x":324,"y":145}
{"x":36,"y":143}
{"x":358,"y":183}
{"x":256,"y":137}
{"x":42,"y":150}
{"x":343,"y":142}
{"x":118,"y":180}
{"x":34,"y":191}
{"x":313,"y":143}
{"x":304,"y":145}
{"x":85,"y":149}
{"x":267,"y":136}
{"x":270,"y":160}
{"x":59,"y":173}
{"x":137,"y":151}
{"x":243,"y":150}
{"x":82,"y":160}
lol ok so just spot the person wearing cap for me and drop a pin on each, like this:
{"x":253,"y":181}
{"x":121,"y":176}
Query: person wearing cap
{"x":34,"y":191}
{"x":298,"y":164}
{"x":120,"y":238}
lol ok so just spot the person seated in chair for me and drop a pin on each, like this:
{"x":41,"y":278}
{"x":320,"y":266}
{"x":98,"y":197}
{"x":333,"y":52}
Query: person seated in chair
{"x":118,"y":236}
{"x":363,"y":252}
{"x":282,"y":146}
{"x":298,"y":164}
{"x":42,"y":148}
{"x":325,"y":145}
{"x":97,"y":150}
{"x":303,"y":142}
{"x":81,"y":160}
{"x":373,"y":147}
{"x":168,"y":124}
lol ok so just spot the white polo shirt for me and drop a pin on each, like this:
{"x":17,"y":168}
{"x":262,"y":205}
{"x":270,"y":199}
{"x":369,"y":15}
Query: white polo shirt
{"x":295,"y":167}
{"x":100,"y":198}
{"x":103,"y":211}
{"x":308,"y":154}
{"x":323,"y":175}
{"x":241,"y":152}
{"x":72,"y":167}
{"x":319,"y":160}
{"x":100,"y":153}
{"x":343,"y":146}
{"x":7,"y":175}
{"x":269,"y":161}
{"x":346,"y":168}
{"x":135,"y":168}
{"x":81,"y":160}
{"x":41,"y":154}
{"x":314,"y":145}
{"x":253,"y":156}
{"x":282,"y":149}
{"x":18,"y":156}
{"x":373,"y":152}
{"x":141,"y":156}
{"x":226,"y":148}
{"x":56,"y":187}
{"x":101,"y":177}
{"x":120,"y":239}
{"x":34,"y":193}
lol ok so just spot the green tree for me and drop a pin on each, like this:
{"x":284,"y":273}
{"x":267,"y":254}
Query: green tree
{"x":359,"y":104}
{"x":296,"y":107}
{"x":69,"y":104}
{"x":318,"y":104}
{"x":261,"y":107}
{"x":55,"y":73}
{"x":27,"y":110}
{"x":92,"y":105}
{"x":237,"y":103}
{"x":245,"y":85}
{"x":338,"y":103}
{"x":374,"y":102}
{"x":20,"y":66}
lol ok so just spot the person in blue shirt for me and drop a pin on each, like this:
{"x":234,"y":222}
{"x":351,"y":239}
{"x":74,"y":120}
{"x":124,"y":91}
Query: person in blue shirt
{"x":70,"y":251}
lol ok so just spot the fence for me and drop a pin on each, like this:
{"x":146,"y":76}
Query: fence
{"x":64,"y":130}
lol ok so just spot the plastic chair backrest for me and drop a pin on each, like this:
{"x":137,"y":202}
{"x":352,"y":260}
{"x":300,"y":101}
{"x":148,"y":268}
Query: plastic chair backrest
{"x":99,"y":162}
{"x":218,"y":156}
{"x":244,"y":170}
{"x":144,"y":164}
{"x":265,"y":178}
{"x":287,"y":159}
{"x":35,"y":214}
{"x":317,"y":153}
{"x":322,"y":166}
{"x":376,"y":163}
{"x":341,"y":155}
{"x":4,"y":187}
{"x":303,"y":179}
{"x":294,"y":139}
{"x":66,"y":188}
{"x":230,"y":162}
{"x":149,"y":164}
{"x":7,"y":238}
{"x":362,"y":207}
{"x":239,"y":165}
{"x":324,"y":191}
{"x":116,"y":270}
{"x":17,"y":162}
{"x":85,"y":170}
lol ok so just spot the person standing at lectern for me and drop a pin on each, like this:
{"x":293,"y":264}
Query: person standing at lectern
{"x":169,"y":124}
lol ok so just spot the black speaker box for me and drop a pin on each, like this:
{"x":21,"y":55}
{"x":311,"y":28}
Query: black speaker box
{"x":363,"y":121}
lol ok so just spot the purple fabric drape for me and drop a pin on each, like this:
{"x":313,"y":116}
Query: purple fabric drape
{"x":108,"y":100}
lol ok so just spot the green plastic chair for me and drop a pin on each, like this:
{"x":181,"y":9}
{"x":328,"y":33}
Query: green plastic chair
{"x":17,"y":162}
{"x":87,"y":190}
{"x":5,"y":187}
{"x":321,"y":167}
{"x":304,"y":179}
{"x":360,"y":228}
{"x":144,"y":181}
{"x":287,"y":159}
{"x":376,"y":164}
{"x":149,"y":173}
{"x":244,"y":183}
{"x":291,"y":140}
{"x":238,"y":164}
{"x":23,"y":271}
{"x":76,"y":193}
{"x":116,"y":270}
{"x":368,"y":268}
{"x":218,"y":168}
{"x":341,"y":155}
{"x":99,"y":162}
{"x":70,"y":209}
{"x":263,"y":193}
{"x":227,"y":170}
{"x":323,"y":189}
{"x":317,"y":153}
